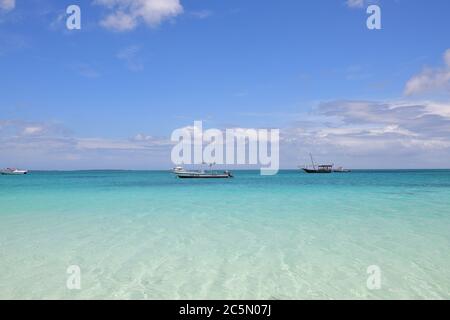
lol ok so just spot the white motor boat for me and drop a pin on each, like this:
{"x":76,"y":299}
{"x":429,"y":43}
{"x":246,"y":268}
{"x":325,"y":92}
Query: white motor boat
{"x":13,"y":171}
{"x":181,"y":173}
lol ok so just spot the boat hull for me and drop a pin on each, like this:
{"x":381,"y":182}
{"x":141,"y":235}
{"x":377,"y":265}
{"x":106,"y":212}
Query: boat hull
{"x":204,"y":176}
{"x":186,"y":174}
{"x":5,"y":173}
{"x":316,"y":171}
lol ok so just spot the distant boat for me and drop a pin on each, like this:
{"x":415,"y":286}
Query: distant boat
{"x":181,"y":173}
{"x":340,"y":169}
{"x":320,"y":169}
{"x":13,"y":171}
{"x":324,"y":168}
{"x":178,"y":169}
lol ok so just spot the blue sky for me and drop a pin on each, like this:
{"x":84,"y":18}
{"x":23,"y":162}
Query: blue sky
{"x":109,"y":95}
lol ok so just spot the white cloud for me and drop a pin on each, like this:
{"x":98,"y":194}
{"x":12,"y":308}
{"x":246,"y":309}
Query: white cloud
{"x":127,"y":14}
{"x":32,"y":130}
{"x":99,"y":144}
{"x":142,"y":137}
{"x":119,"y":21}
{"x":201,"y":14}
{"x":85,"y":70}
{"x":359,"y":4}
{"x":130,"y":56}
{"x":17,"y":128}
{"x":7,"y":5}
{"x":447,"y":57}
{"x":439,"y":108}
{"x":355,"y":3}
{"x":430,"y":79}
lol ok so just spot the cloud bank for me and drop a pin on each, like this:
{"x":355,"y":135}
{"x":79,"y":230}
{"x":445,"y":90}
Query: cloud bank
{"x":375,"y":134}
{"x":39,"y":145}
{"x":356,"y":134}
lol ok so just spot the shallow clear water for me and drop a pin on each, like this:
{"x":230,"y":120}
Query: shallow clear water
{"x":291,"y":236}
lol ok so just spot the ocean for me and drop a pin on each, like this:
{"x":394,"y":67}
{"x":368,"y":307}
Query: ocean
{"x":148,"y":235}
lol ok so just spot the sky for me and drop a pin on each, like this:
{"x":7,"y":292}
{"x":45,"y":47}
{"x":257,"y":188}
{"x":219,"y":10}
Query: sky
{"x":108,"y":96}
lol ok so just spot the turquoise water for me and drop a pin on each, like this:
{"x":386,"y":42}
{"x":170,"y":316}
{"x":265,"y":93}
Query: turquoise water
{"x":147,"y":235}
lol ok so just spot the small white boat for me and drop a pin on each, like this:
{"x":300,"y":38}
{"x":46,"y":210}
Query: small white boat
{"x":204,"y":175}
{"x":13,"y":171}
{"x":181,"y":173}
{"x":341,"y":169}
